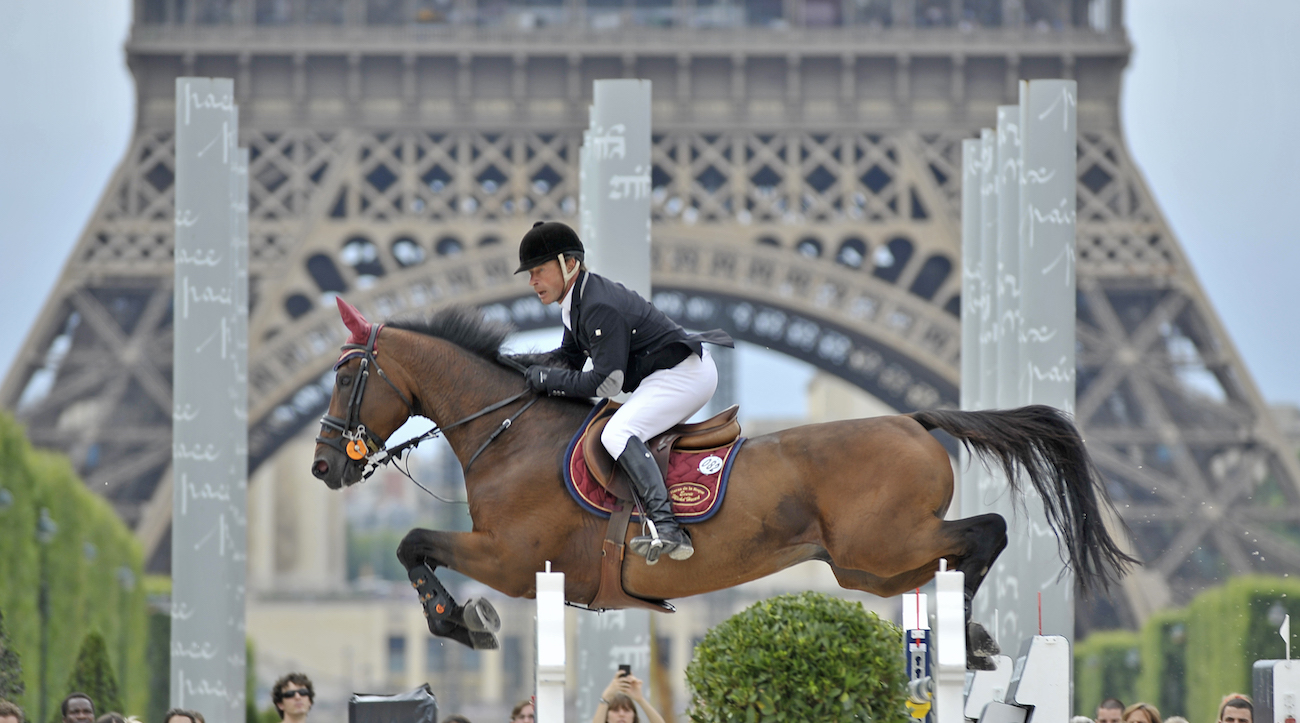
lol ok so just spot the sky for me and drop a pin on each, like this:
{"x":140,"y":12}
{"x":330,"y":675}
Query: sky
{"x":1209,"y":111}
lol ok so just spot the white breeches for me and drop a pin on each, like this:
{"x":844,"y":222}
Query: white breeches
{"x":664,"y":398}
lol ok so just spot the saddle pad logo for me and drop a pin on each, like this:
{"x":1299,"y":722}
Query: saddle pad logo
{"x":711,"y":464}
{"x":689,"y":493}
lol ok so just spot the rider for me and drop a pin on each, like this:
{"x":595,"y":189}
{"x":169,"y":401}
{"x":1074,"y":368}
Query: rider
{"x":633,"y":348}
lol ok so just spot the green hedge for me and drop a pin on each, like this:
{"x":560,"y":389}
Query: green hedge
{"x":800,"y":657}
{"x":81,"y":566}
{"x":1189,"y":658}
{"x":1106,"y":665}
{"x":1164,"y":662}
{"x":1227,"y":631}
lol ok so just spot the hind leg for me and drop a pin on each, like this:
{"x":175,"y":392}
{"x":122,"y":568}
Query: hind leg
{"x":984,"y":537}
{"x":978,"y":655}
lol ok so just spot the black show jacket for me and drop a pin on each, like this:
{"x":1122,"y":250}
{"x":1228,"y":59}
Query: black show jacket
{"x":626,"y":337}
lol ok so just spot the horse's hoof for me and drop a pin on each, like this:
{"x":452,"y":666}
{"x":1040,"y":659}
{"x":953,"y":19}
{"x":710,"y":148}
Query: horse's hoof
{"x":480,"y":617}
{"x":483,"y":641}
{"x":980,"y":662}
{"x":980,"y":643}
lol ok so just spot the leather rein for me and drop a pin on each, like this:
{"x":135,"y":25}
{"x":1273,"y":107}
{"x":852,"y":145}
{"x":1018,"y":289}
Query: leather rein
{"x":360,"y":446}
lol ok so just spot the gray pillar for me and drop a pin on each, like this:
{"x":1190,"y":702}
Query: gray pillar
{"x":970,"y":307}
{"x":1031,"y":564}
{"x":615,"y":217}
{"x":988,"y":390}
{"x":209,"y":429}
{"x":1006,"y":291}
{"x":619,"y":154}
{"x":970,"y":273}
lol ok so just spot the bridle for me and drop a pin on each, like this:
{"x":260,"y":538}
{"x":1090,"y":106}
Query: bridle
{"x":357,"y":443}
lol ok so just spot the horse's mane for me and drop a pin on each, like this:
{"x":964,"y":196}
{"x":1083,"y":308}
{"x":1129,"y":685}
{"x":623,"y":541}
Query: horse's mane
{"x":464,"y":326}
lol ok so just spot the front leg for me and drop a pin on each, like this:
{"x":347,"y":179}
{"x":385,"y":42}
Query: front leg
{"x":473,"y":624}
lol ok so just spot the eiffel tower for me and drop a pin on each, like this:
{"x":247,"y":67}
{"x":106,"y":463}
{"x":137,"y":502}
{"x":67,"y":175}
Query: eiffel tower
{"x":806,"y":197}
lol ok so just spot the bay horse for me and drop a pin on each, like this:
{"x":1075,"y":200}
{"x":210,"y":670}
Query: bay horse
{"x":866,"y":496}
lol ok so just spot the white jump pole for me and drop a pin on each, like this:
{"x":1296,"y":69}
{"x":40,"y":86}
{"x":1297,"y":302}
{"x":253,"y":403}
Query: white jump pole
{"x":551,"y":659}
{"x":950,"y":645}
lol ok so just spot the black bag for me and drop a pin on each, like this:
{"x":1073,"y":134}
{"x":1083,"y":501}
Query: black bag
{"x":417,"y":706}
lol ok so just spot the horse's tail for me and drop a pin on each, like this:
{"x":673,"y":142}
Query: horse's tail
{"x":1045,"y":443}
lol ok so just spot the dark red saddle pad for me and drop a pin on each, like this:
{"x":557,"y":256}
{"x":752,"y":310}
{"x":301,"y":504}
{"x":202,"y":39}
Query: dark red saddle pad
{"x":697,"y":479}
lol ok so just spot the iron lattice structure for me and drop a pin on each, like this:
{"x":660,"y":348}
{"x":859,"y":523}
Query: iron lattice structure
{"x":806,"y":184}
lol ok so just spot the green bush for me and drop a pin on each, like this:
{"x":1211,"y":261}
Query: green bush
{"x":11,"y":667}
{"x":82,"y":565}
{"x":1164,"y":662}
{"x":159,"y":660}
{"x":1229,"y":629}
{"x":93,"y":675}
{"x":1106,"y":665}
{"x":800,"y":657}
{"x":1188,"y":658}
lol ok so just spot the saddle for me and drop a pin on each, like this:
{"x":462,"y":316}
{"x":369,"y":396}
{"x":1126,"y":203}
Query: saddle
{"x":716,"y":431}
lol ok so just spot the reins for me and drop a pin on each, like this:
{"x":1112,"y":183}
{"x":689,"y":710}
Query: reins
{"x":356,"y":442}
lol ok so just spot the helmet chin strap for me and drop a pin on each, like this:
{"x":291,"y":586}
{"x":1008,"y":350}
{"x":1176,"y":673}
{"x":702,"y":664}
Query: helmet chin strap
{"x":566,"y":273}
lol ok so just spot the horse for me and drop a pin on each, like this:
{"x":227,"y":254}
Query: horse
{"x":866,"y":496}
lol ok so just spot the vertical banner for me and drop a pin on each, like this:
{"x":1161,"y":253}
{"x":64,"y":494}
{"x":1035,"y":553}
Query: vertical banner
{"x":970,"y":272}
{"x":1006,"y":291}
{"x":616,"y":182}
{"x":619,"y":155}
{"x":988,"y":390}
{"x":970,"y":308}
{"x":209,"y":393}
{"x":1047,"y":206}
{"x":1030,"y":247}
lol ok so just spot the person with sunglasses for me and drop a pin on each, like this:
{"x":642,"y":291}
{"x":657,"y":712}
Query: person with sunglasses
{"x":293,"y":695}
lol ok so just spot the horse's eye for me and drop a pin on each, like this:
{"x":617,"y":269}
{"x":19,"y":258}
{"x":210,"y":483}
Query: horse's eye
{"x":345,"y":380}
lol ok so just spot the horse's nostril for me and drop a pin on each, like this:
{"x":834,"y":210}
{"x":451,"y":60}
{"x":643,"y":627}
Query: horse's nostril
{"x":320,"y":469}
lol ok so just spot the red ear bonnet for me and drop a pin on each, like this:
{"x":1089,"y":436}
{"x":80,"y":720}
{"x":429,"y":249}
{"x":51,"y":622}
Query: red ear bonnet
{"x":354,"y":321}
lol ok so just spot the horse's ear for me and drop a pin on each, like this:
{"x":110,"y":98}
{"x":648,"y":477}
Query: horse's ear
{"x":354,"y":321}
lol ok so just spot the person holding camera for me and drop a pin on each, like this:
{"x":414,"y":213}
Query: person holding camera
{"x":619,"y":701}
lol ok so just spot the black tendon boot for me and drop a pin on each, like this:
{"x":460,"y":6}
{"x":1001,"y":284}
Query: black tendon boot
{"x":665,"y":534}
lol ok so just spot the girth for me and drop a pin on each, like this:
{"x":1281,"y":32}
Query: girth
{"x":716,"y":431}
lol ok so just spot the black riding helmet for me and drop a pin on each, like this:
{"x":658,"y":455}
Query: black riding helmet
{"x":546,"y":240}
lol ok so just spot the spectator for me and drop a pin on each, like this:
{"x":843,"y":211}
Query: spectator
{"x":196,"y":716}
{"x":1175,"y":719}
{"x":1085,"y":719}
{"x":179,"y":715}
{"x":1111,"y":710}
{"x":618,"y":702}
{"x":293,"y":696}
{"x":111,"y":718}
{"x":78,"y":708}
{"x":455,"y":718}
{"x":1236,"y":708}
{"x":1141,"y":713}
{"x":11,"y":713}
{"x":523,"y":711}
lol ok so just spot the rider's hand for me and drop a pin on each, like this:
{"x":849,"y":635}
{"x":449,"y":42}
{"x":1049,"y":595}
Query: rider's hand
{"x":536,"y":376}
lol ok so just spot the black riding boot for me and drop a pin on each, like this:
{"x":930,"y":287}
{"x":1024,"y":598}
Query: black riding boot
{"x":666,"y":536}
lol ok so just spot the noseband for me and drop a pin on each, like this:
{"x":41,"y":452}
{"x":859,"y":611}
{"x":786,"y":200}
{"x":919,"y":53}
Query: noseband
{"x":354,"y":440}
{"x":359,"y":445}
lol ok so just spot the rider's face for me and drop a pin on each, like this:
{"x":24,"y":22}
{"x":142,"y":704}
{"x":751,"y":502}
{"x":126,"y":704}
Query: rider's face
{"x":547,"y":282}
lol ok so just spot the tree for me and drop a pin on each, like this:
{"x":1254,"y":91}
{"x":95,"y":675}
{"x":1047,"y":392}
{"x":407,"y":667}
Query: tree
{"x":11,"y":668}
{"x":93,"y":675}
{"x":796,"y":658}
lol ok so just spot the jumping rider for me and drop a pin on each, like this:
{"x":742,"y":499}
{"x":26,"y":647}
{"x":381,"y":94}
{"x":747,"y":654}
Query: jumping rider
{"x":633,"y":348}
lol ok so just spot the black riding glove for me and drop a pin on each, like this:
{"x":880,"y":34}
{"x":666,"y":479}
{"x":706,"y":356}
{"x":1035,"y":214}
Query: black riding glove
{"x":536,"y":376}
